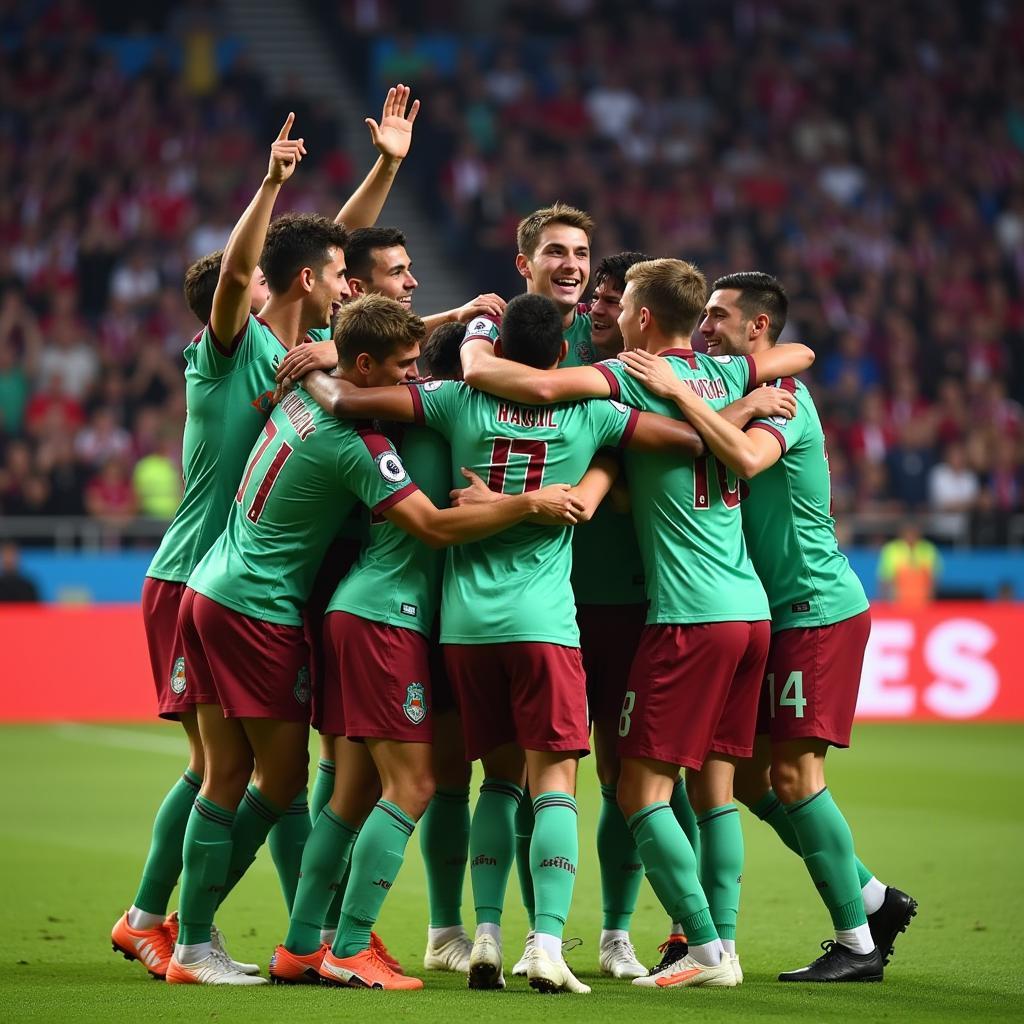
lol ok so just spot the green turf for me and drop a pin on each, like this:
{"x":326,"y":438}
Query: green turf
{"x":934,"y":809}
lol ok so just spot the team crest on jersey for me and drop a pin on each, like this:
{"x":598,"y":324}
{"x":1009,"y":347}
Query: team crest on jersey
{"x":415,"y":706}
{"x":390,"y":467}
{"x":302,"y":688}
{"x":178,"y":676}
{"x":431,"y":385}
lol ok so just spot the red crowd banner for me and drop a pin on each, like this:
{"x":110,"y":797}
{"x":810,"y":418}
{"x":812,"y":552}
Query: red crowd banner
{"x":947,"y":662}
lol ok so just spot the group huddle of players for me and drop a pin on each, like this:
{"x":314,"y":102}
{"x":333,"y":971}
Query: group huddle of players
{"x":480,"y":535}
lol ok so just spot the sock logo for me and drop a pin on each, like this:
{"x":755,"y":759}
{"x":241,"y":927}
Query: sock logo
{"x":415,"y":706}
{"x":482,"y":860}
{"x":383,"y":883}
{"x":559,"y":862}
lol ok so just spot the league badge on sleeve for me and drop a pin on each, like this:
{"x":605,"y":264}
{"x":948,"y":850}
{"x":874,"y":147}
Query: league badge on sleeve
{"x":389,"y":465}
{"x":415,"y":706}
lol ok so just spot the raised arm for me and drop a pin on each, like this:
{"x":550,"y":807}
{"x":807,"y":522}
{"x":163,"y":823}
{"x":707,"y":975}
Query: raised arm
{"x":440,"y":528}
{"x":482,"y":369}
{"x":782,"y":361}
{"x":345,"y":401}
{"x":231,"y":298}
{"x":392,"y":138}
{"x":490,"y":305}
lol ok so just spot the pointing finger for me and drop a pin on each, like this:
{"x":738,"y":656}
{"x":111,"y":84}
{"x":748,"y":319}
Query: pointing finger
{"x":286,"y":127}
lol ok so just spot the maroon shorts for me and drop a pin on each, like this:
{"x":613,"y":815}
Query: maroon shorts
{"x":811,"y":681}
{"x":609,"y":637}
{"x":532,"y":694}
{"x":442,"y":694}
{"x":376,"y":681}
{"x":693,"y":690}
{"x":160,"y":601}
{"x":252,"y":669}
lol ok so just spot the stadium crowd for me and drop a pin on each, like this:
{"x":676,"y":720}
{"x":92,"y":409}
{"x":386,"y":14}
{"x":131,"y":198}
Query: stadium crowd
{"x":872,"y":160}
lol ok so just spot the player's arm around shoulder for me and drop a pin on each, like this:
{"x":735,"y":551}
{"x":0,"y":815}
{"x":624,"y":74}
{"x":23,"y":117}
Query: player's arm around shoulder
{"x":346,"y":401}
{"x":780,"y":361}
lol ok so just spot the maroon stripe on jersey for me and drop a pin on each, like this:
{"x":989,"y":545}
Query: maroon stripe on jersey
{"x":787,"y":384}
{"x":376,"y":443}
{"x":751,"y":374}
{"x":229,"y":349}
{"x":613,"y":381}
{"x":417,"y":404}
{"x":771,"y":430}
{"x":683,"y":353}
{"x":267,"y":485}
{"x":260,"y":320}
{"x":634,"y":418}
{"x":393,"y":499}
{"x":500,"y":453}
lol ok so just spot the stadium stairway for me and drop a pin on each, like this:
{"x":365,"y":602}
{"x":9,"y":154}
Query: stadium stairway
{"x":281,"y":38}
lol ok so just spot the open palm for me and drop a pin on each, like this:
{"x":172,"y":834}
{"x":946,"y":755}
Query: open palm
{"x":393,"y":136}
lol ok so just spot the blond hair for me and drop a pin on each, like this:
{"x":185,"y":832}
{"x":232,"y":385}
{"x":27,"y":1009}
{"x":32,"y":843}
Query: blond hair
{"x":376,"y":325}
{"x":673,"y":290}
{"x":530,"y":228}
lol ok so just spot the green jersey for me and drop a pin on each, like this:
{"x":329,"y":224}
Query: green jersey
{"x":514,"y":586}
{"x":397,"y":580}
{"x":606,"y":563}
{"x":578,"y":336}
{"x":303,"y":477}
{"x":788,"y":525}
{"x":687,"y":512}
{"x":228,"y":398}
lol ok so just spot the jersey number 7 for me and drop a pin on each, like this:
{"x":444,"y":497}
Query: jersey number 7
{"x":535,"y":452}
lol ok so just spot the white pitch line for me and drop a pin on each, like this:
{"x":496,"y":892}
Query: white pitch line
{"x":125,"y":739}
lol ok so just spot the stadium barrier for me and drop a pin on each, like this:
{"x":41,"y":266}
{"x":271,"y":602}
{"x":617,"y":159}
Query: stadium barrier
{"x":947,"y":662}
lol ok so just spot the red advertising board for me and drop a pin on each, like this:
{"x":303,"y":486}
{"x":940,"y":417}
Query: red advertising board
{"x":949,"y":662}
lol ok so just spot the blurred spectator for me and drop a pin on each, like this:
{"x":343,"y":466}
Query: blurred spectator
{"x":109,"y":496}
{"x":156,"y":480}
{"x":908,"y":568}
{"x":952,"y":492}
{"x":15,"y":586}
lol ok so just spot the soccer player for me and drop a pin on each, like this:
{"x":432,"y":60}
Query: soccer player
{"x":516,"y":665}
{"x":243,"y":603}
{"x":707,"y":618}
{"x":820,"y":627}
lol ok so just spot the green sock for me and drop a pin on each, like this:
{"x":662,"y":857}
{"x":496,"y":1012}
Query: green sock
{"x":770,"y":810}
{"x":286,"y":841}
{"x":863,"y":875}
{"x":324,"y":862}
{"x":444,"y":843}
{"x":524,"y":839}
{"x":163,"y":862}
{"x":684,"y":815}
{"x":621,"y":870}
{"x":827,"y":846}
{"x":376,"y":860}
{"x":255,"y":818}
{"x":322,"y":790}
{"x":554,"y":854}
{"x":492,"y":847}
{"x":672,"y":869}
{"x":206,"y":853}
{"x":721,"y":865}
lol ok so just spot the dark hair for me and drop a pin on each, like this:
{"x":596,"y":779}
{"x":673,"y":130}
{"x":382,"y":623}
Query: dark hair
{"x":297,"y":240}
{"x":759,"y":293}
{"x":531,"y":331}
{"x":200,"y":284}
{"x":376,"y":325}
{"x":439,"y":355}
{"x":360,"y":245}
{"x":612,"y":269}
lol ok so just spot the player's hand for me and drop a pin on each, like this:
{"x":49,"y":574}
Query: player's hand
{"x":653,"y":372}
{"x":393,"y":136}
{"x":556,"y":505}
{"x":285,"y":153}
{"x":766,"y":402}
{"x":320,"y":355}
{"x":483,"y":305}
{"x":281,"y":390}
{"x":477,"y":493}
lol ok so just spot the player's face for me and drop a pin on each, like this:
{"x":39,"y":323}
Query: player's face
{"x":560,"y":266}
{"x":399,"y":366}
{"x":331,"y":289}
{"x":392,"y":275}
{"x":724,"y":326}
{"x":605,"y":307}
{"x":258,"y":291}
{"x":629,"y":319}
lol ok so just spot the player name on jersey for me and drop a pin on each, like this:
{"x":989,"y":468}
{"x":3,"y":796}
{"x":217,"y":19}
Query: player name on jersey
{"x":526,"y":415}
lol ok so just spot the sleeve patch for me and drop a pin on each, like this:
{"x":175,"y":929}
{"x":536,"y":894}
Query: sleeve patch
{"x":390,"y":466}
{"x":482,"y":327}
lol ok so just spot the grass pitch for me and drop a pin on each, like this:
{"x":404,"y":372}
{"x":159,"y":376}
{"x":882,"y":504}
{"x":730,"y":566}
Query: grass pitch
{"x":934,"y":810}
